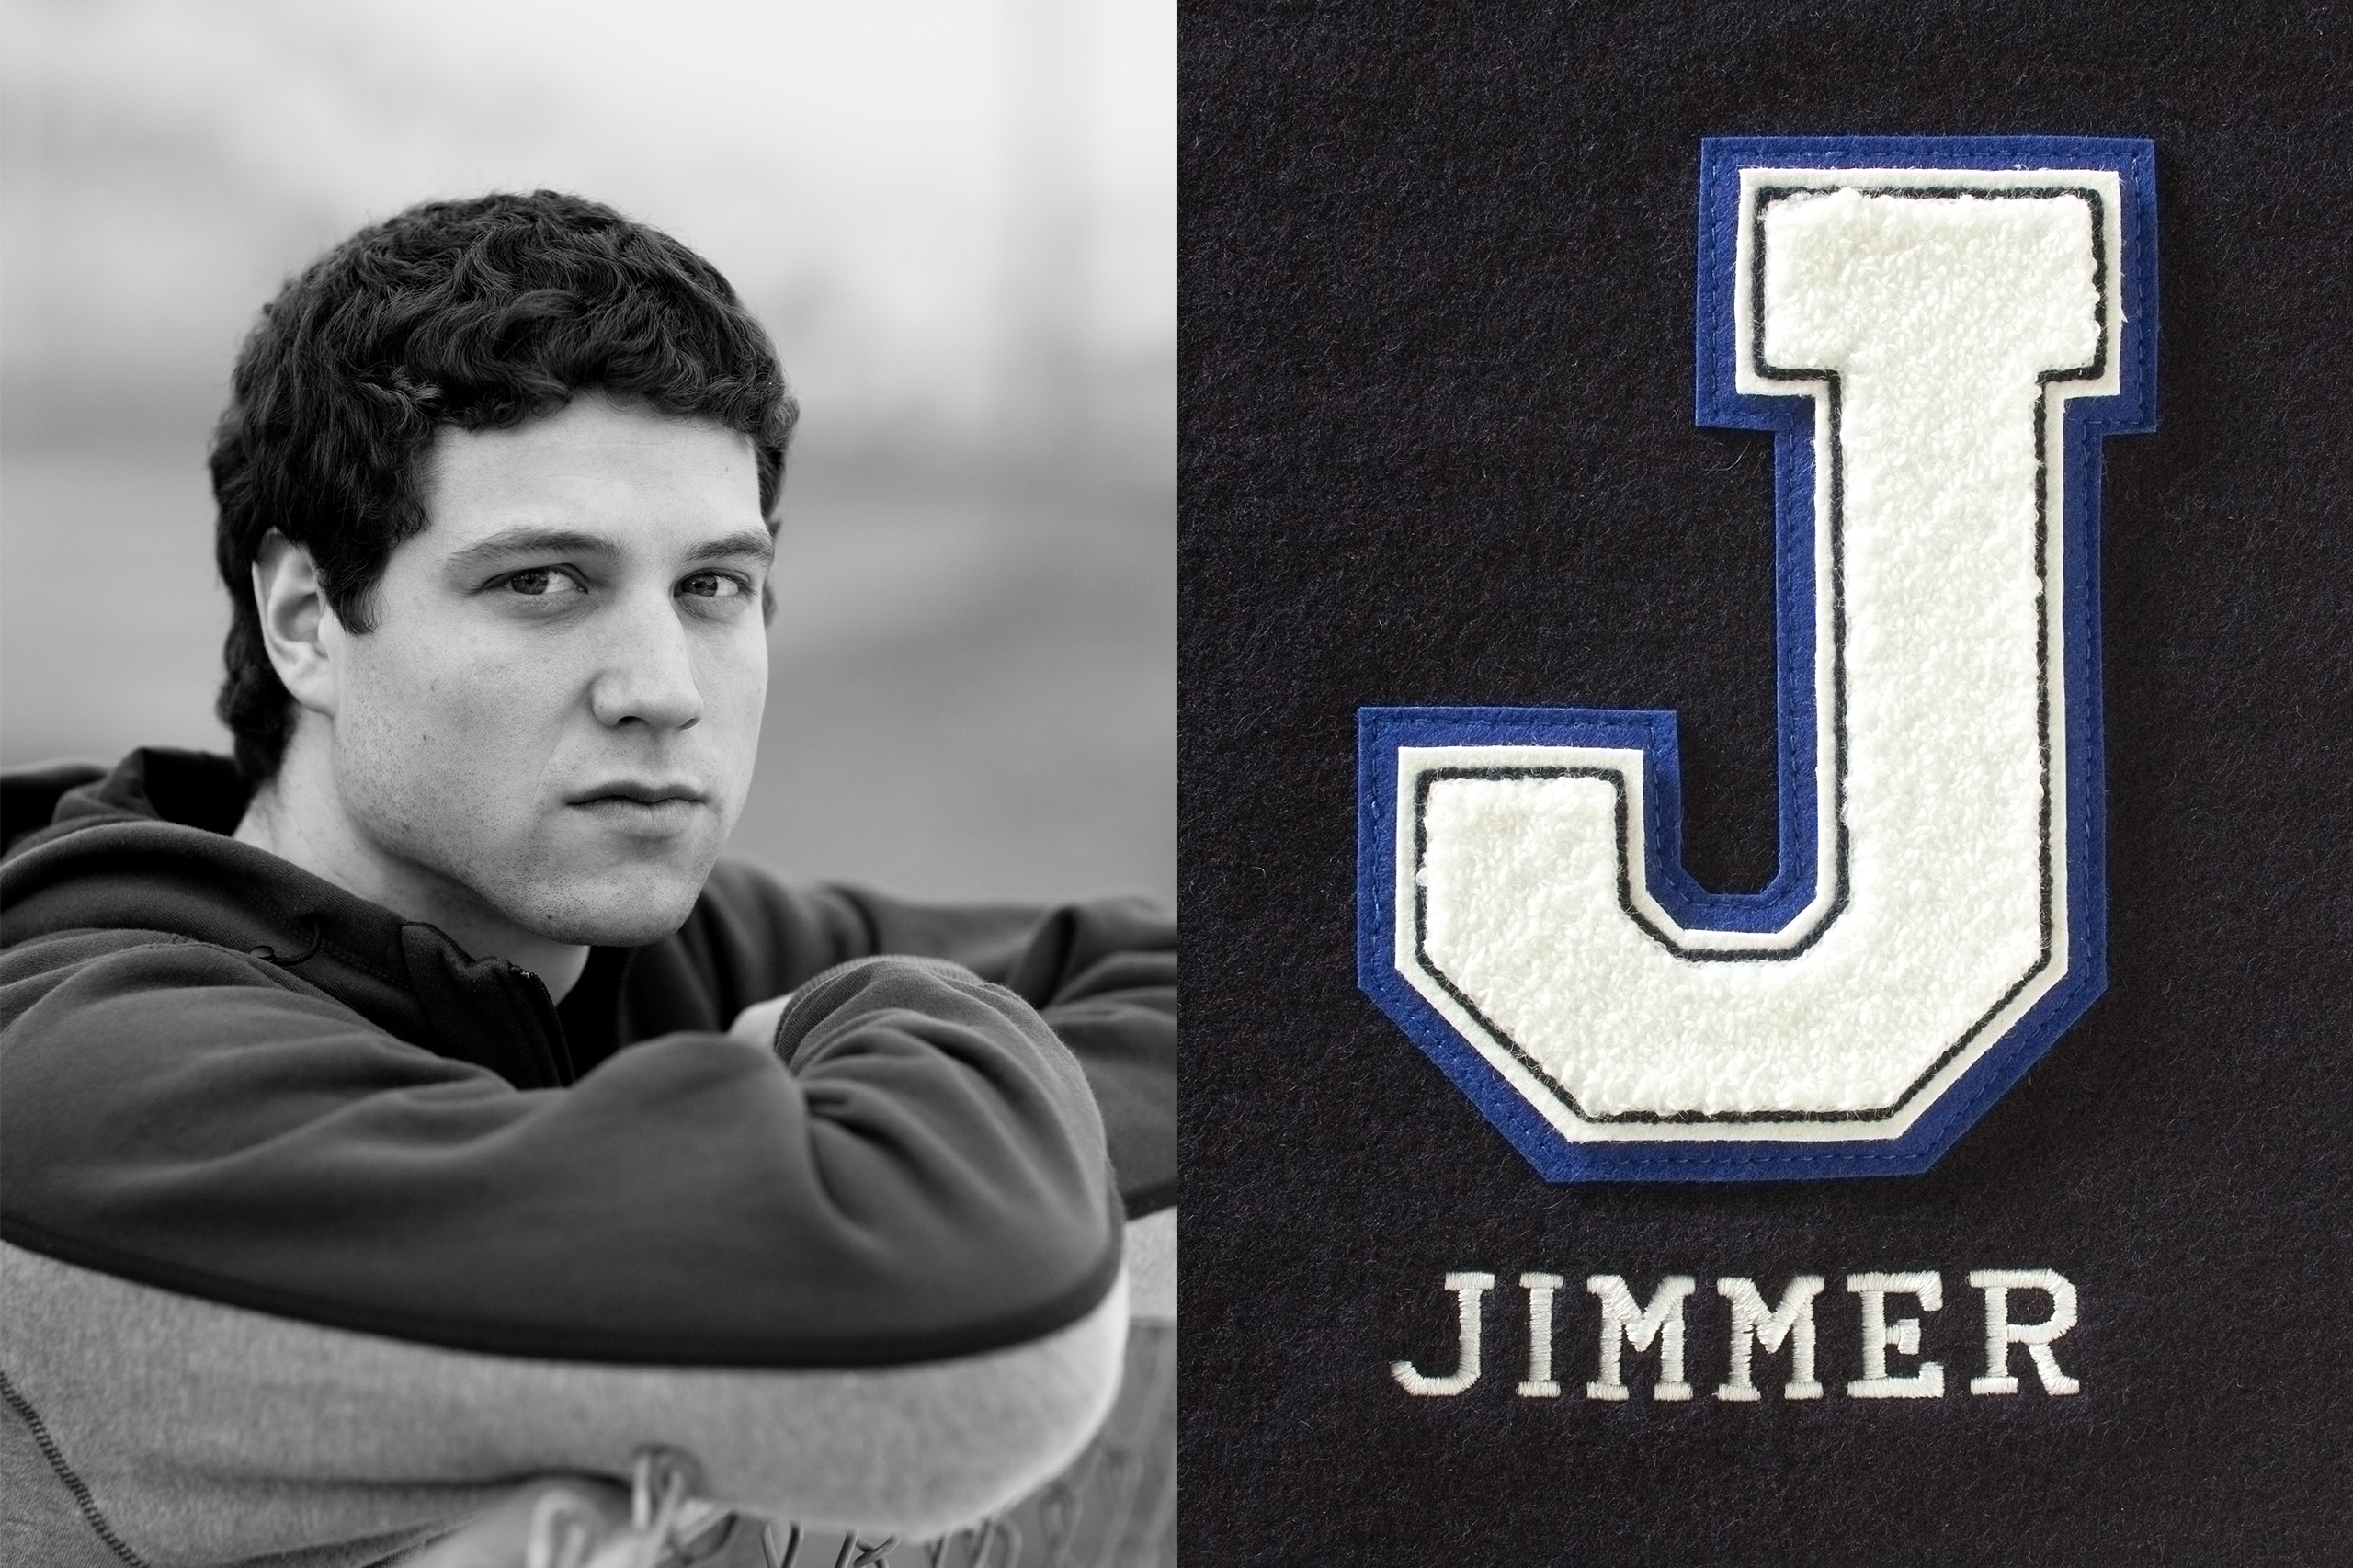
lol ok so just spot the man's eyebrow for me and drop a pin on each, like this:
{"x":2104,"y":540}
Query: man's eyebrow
{"x":531,"y":541}
{"x":507,"y":544}
{"x":756,"y":543}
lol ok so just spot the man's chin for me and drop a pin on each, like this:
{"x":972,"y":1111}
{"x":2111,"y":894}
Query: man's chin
{"x":620,"y":913}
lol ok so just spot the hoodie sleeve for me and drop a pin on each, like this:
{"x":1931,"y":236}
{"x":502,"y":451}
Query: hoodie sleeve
{"x":869,"y":1275}
{"x":1102,"y":973}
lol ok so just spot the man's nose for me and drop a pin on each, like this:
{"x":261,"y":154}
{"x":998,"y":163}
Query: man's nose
{"x":647,"y":673}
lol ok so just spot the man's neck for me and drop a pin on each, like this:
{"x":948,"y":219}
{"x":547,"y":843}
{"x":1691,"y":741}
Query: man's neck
{"x":298,"y":817}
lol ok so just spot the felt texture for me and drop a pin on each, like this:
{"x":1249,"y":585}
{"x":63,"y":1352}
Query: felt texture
{"x":1437,"y":446}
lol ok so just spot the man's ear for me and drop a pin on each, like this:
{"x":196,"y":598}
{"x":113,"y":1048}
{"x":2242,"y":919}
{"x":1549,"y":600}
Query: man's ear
{"x":296,"y":626}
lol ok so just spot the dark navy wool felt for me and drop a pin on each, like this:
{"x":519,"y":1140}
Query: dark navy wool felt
{"x":1436,"y":444}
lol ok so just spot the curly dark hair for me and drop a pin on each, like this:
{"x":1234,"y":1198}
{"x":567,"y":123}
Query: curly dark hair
{"x":477,"y":315}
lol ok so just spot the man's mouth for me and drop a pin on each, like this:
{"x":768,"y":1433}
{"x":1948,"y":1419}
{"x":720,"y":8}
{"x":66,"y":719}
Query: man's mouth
{"x":647,"y":809}
{"x":637,"y":793}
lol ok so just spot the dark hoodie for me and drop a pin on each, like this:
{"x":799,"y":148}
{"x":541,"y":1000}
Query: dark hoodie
{"x":228,"y":1084}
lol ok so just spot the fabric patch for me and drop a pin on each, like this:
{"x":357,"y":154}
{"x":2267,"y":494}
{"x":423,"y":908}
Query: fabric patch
{"x":1939,"y":332}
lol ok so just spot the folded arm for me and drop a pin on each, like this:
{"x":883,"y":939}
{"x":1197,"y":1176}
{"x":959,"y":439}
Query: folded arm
{"x":1102,"y":973}
{"x":260,"y":1249}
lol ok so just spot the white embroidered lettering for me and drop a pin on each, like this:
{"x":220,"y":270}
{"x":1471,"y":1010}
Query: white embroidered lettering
{"x":2001,"y":1332}
{"x":1757,"y":1328}
{"x":1540,"y":1383}
{"x":1904,"y":1334}
{"x":1753,"y":1325}
{"x":1623,"y":1324}
{"x":1468,"y":1289}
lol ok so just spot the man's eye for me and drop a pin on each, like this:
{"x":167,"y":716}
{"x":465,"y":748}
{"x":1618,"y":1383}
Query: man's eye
{"x":542,"y":581}
{"x":715,"y":585}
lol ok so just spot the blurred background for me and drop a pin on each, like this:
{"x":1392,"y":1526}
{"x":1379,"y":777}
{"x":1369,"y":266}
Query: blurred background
{"x":956,"y":218}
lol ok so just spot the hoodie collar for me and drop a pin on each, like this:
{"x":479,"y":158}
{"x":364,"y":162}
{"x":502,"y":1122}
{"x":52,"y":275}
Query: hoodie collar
{"x":147,"y":848}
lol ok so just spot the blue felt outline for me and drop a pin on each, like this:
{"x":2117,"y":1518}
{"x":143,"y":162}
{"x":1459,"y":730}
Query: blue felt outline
{"x":2088,"y":421}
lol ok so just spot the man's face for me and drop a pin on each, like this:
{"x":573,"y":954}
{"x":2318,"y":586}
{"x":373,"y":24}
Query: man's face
{"x":557,"y":711}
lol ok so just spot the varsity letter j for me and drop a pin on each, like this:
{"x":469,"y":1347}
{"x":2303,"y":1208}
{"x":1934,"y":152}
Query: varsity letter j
{"x":1939,"y":332}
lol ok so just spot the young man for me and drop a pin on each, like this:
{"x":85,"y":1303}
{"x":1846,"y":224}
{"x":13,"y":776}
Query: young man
{"x":419,"y":1104}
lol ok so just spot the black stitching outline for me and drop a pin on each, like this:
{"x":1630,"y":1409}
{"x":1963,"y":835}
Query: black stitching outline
{"x":65,"y":1473}
{"x":1829,"y":380}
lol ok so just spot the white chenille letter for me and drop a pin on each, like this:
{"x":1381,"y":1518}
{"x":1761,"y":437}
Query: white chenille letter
{"x":2001,"y":1332}
{"x":1540,"y":1383}
{"x":1940,"y":335}
{"x":1623,"y":1324}
{"x":1468,"y":1289}
{"x":1753,"y":1325}
{"x":1904,"y":1334}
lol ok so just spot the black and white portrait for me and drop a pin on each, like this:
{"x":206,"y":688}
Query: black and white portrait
{"x":586,"y":705}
